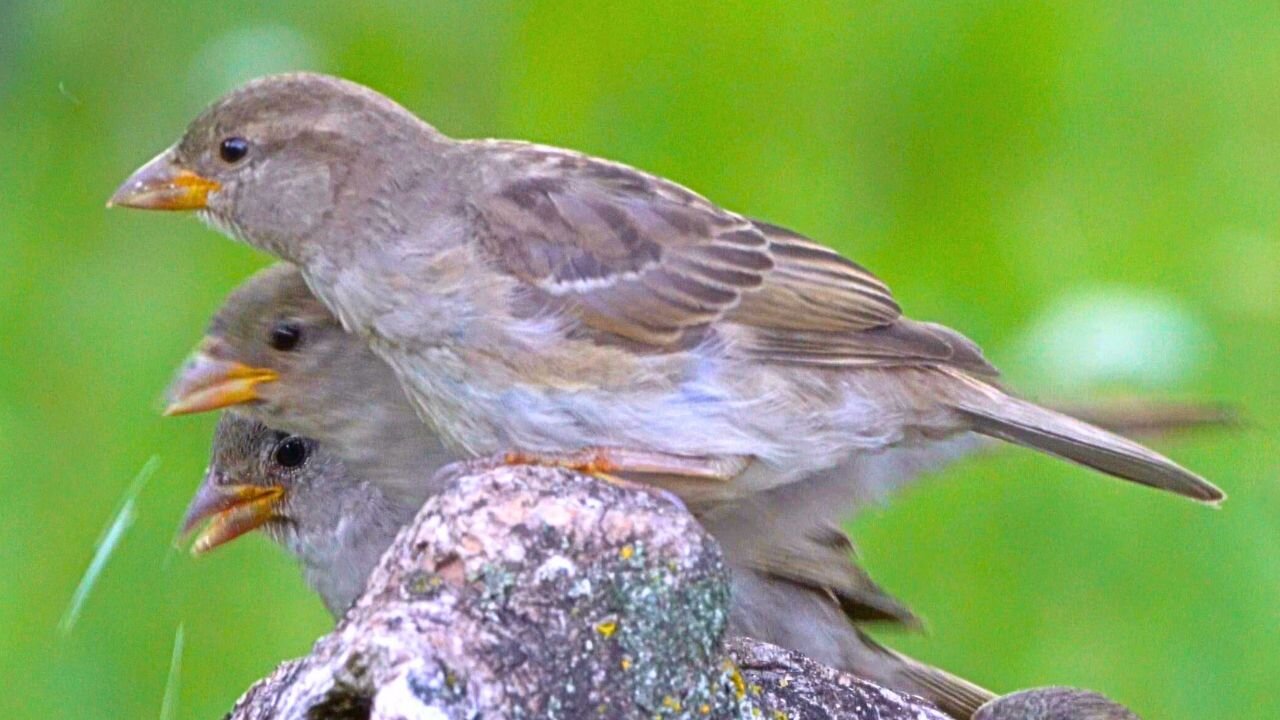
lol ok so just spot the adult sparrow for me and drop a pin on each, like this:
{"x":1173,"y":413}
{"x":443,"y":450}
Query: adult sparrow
{"x":564,"y":308}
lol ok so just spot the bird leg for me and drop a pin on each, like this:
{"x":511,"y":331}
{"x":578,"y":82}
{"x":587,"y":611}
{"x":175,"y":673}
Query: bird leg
{"x":603,"y":463}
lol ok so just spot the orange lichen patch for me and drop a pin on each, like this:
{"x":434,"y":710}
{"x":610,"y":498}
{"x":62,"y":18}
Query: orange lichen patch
{"x":627,"y":552}
{"x":555,"y":515}
{"x":671,"y":703}
{"x":607,"y":628}
{"x":509,"y":513}
{"x":471,"y":544}
{"x":626,"y":663}
{"x":452,"y":571}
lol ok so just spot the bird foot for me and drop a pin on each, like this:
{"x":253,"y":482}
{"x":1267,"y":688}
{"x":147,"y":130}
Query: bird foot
{"x":608,"y":460}
{"x":604,"y":463}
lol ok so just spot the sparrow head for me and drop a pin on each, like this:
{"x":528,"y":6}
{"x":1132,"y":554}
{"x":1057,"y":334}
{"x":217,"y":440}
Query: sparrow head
{"x":267,"y":162}
{"x":262,"y":478}
{"x":303,"y":497}
{"x":1053,"y":703}
{"x":277,"y":354}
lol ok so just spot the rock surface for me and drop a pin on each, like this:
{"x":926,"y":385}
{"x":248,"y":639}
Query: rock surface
{"x":532,"y":592}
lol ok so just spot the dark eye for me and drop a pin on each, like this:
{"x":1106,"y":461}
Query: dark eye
{"x":233,"y":149}
{"x":285,"y":336}
{"x":290,"y":453}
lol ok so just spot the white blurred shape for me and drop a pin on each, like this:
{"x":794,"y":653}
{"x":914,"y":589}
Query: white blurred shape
{"x":248,"y":52}
{"x":1115,"y":335}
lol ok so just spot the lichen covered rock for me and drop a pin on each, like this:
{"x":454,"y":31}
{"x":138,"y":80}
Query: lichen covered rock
{"x":532,"y":592}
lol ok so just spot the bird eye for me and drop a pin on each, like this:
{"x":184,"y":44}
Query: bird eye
{"x":285,"y":336}
{"x":233,"y":149}
{"x":290,"y":453}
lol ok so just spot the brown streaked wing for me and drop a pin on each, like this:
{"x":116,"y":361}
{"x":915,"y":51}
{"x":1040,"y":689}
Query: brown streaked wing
{"x":648,"y":261}
{"x":633,"y":254}
{"x":903,"y":342}
{"x":813,"y":287}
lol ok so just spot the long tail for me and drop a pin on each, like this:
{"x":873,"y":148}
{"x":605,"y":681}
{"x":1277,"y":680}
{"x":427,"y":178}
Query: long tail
{"x":796,"y":613}
{"x":1135,"y":417}
{"x":993,"y":413}
{"x":953,"y":695}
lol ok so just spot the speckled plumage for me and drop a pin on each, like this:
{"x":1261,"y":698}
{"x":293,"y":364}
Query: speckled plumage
{"x":537,"y":299}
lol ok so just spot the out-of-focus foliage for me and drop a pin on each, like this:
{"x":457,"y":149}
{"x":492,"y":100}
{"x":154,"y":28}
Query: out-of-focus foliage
{"x":1091,"y":190}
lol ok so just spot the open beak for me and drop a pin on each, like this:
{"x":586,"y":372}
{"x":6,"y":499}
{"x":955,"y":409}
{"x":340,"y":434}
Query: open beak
{"x":231,"y":511}
{"x":163,"y":184}
{"x":209,"y":383}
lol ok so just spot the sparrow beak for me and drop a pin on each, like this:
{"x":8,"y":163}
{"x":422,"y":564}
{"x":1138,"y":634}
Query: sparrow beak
{"x":209,"y":383}
{"x":232,"y":510}
{"x":163,"y":184}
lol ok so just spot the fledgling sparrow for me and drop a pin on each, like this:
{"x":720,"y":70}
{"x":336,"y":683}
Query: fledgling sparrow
{"x":336,"y":526}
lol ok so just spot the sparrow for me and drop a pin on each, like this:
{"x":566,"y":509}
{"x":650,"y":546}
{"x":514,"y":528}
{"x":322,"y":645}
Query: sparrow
{"x":274,"y":353}
{"x":1054,"y":703}
{"x":563,"y":308}
{"x":337,"y":525}
{"x":304,"y":499}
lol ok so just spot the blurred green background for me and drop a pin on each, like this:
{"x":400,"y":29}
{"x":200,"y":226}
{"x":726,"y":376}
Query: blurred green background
{"x":1089,"y":190}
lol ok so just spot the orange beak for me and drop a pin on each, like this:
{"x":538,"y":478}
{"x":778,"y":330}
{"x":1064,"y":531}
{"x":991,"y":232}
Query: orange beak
{"x":162,"y":184}
{"x":209,"y":383}
{"x":232,"y":511}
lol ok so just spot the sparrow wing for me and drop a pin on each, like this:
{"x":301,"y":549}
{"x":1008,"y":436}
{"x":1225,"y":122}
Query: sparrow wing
{"x":649,"y":261}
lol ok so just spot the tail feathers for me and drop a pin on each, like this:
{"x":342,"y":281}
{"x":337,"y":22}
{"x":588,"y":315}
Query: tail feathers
{"x":953,"y":695}
{"x":1001,"y":416}
{"x":832,"y":568}
{"x":1143,"y":418}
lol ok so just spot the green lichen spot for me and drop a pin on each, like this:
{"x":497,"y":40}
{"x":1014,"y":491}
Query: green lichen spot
{"x":422,"y":584}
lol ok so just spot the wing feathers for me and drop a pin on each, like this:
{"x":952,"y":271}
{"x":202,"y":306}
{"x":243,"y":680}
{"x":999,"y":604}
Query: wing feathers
{"x":641,"y":258}
{"x":904,"y":342}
